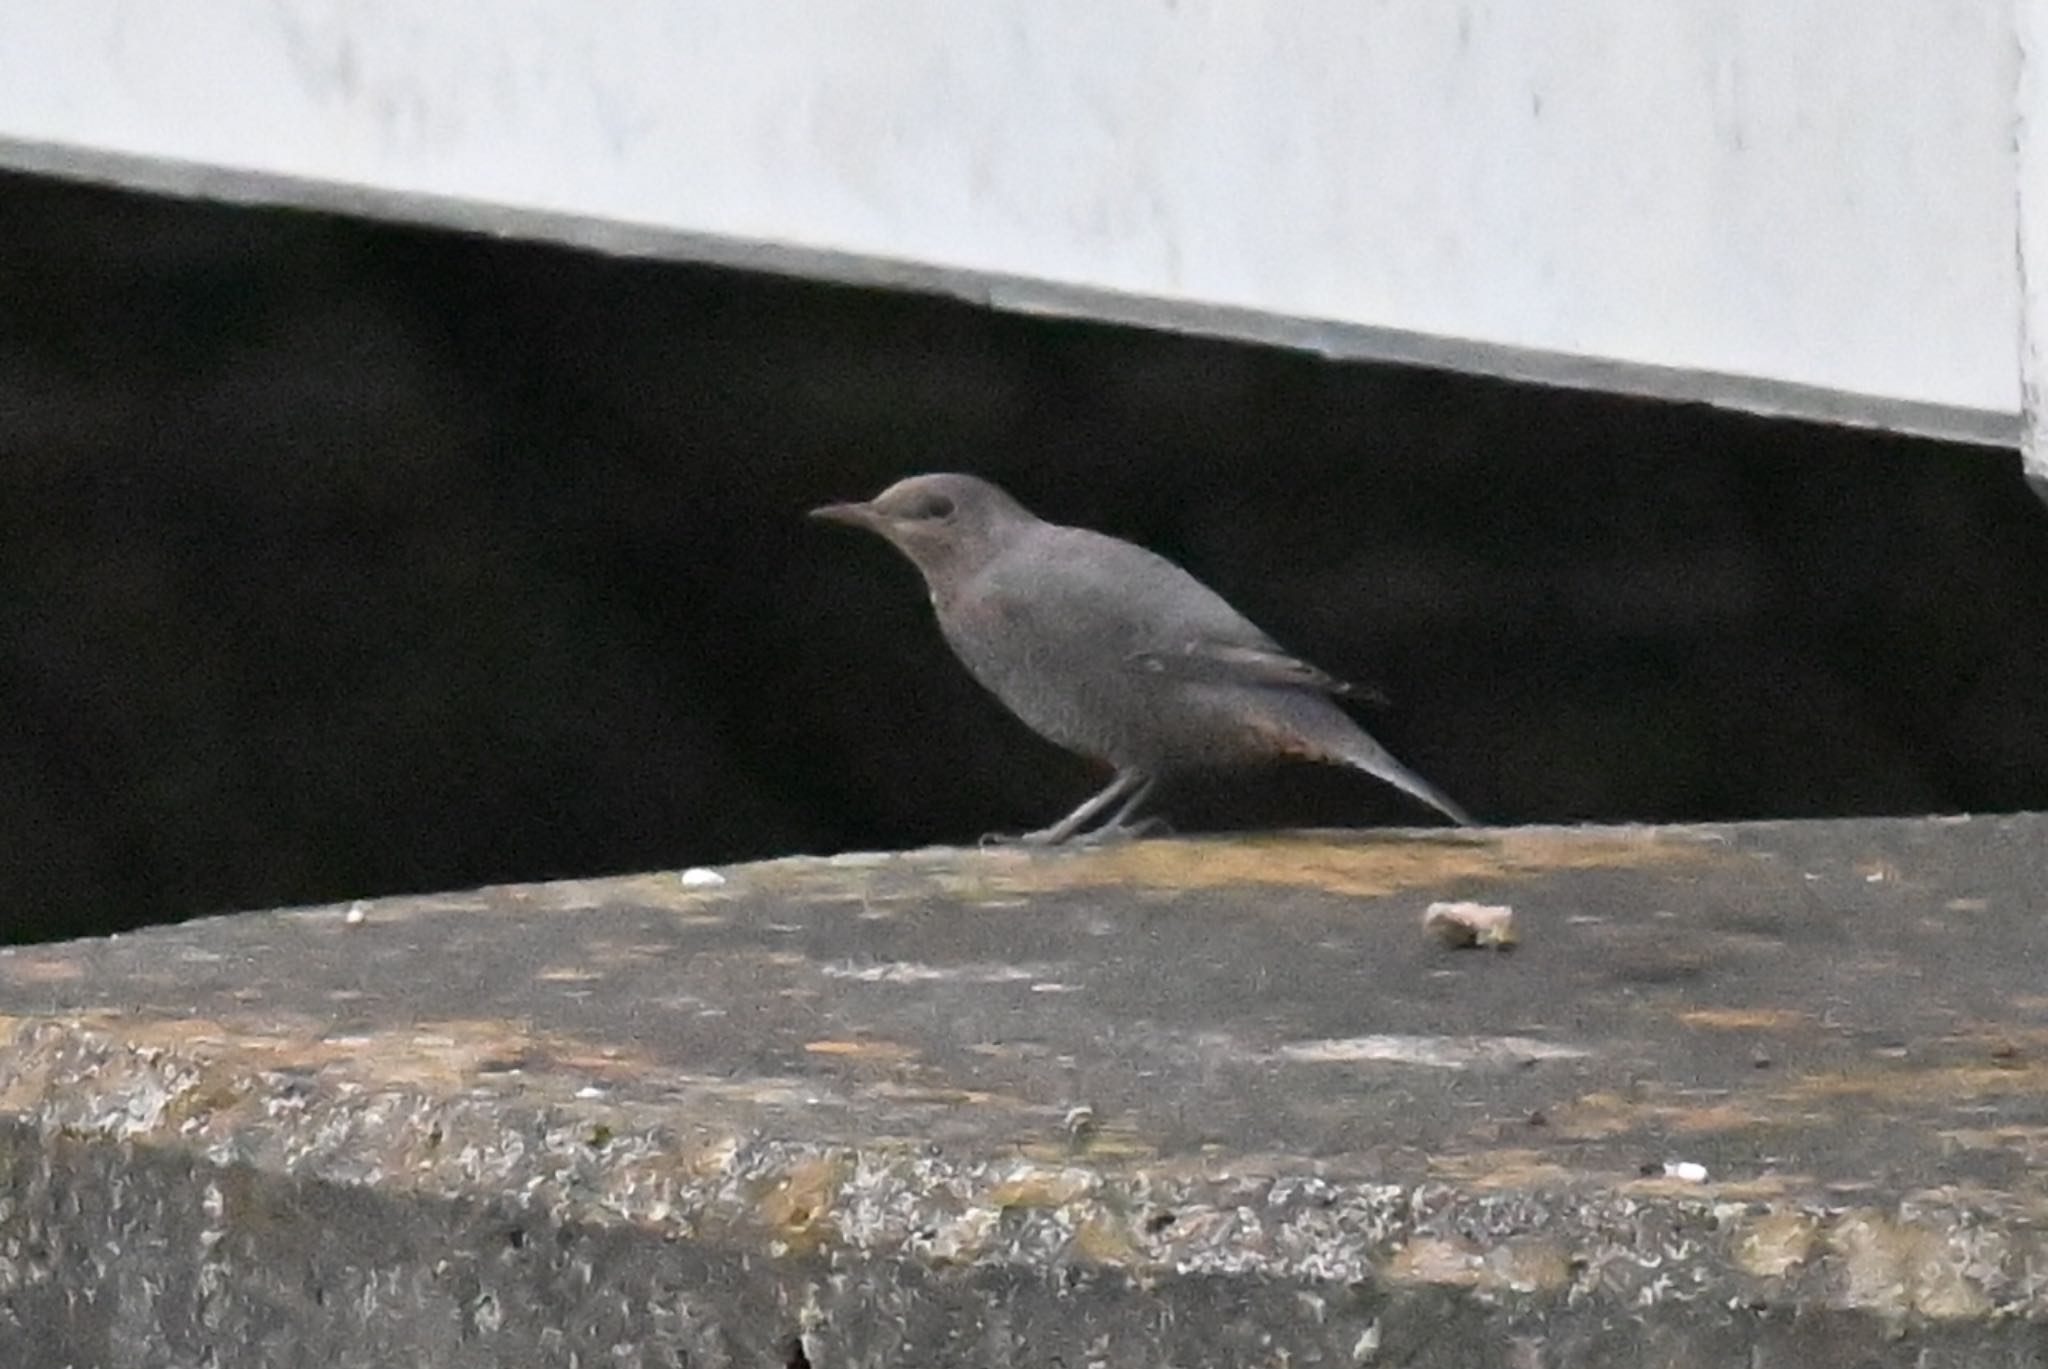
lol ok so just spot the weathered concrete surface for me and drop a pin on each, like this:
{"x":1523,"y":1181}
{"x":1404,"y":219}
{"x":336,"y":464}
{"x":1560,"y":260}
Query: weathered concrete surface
{"x":1179,"y":1102}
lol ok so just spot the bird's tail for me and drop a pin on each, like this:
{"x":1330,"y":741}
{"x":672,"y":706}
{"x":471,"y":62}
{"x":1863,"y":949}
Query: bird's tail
{"x":1363,"y":753}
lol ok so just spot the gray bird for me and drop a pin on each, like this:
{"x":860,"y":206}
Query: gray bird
{"x":1111,"y":651}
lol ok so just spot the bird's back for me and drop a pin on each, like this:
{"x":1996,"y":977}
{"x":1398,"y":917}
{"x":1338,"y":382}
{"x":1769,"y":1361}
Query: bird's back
{"x":1061,"y":625}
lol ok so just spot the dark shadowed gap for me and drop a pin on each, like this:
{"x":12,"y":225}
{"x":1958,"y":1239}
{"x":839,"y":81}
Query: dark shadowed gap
{"x":339,"y":559}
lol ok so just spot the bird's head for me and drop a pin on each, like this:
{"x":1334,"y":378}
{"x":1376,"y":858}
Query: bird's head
{"x":948,"y":525}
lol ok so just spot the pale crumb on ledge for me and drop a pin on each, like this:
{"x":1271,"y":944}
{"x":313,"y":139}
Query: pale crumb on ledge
{"x":1472,"y":924}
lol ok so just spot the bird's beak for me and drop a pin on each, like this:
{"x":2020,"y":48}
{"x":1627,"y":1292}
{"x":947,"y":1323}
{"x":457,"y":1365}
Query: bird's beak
{"x":854,"y":515}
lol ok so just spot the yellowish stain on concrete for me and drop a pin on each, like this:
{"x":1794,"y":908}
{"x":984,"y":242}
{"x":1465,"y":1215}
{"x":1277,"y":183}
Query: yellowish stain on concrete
{"x":1363,"y":863}
{"x":963,"y":1239}
{"x":1745,"y":1019}
{"x":443,"y":1056}
{"x":1507,"y":1168}
{"x":1530,"y":1265}
{"x":1040,"y":1186}
{"x":1105,"y":1144}
{"x":1923,"y":1087}
{"x":1729,"y":1116}
{"x":1434,"y":1260}
{"x":797,"y":1205}
{"x":2027,"y":1141}
{"x":1533,"y":1264}
{"x":1115,"y":1143}
{"x":1354,"y":865}
{"x":867,"y":1051}
{"x":1773,"y":1245}
{"x":1816,"y":1101}
{"x":2003,"y":1040}
{"x":1761,"y":1187}
{"x":1596,"y":1116}
{"x":1897,"y":1268}
{"x":1103,"y":1240}
{"x":708,"y":1158}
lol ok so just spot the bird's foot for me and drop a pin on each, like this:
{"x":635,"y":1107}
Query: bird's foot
{"x":1106,"y":835}
{"x":1112,"y":833}
{"x":995,"y":841}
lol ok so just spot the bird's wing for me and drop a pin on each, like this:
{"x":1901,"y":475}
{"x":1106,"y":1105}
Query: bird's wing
{"x":1213,"y":662}
{"x":1161,"y":619}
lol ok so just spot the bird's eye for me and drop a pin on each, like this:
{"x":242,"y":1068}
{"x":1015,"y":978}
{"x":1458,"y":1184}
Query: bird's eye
{"x":930,"y":506}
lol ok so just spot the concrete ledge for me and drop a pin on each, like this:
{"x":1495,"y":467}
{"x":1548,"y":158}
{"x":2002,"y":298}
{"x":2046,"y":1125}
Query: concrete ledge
{"x":1772,"y":1095}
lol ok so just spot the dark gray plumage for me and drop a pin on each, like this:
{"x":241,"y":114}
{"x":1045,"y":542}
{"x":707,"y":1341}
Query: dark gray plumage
{"x":1111,"y":651}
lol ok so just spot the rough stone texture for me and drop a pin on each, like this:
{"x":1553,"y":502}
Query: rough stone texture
{"x":1756,"y":1096}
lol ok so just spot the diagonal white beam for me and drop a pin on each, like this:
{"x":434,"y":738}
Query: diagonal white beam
{"x":1804,"y":207}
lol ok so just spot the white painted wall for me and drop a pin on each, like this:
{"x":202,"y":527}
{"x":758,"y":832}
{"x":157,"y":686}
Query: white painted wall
{"x":1787,"y":204}
{"x":2031,"y":144}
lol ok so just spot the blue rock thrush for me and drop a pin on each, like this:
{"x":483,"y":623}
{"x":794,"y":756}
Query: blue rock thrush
{"x":1113,"y":652}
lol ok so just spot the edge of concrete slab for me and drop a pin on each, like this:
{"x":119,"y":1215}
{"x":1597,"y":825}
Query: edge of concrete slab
{"x":311,"y":1192}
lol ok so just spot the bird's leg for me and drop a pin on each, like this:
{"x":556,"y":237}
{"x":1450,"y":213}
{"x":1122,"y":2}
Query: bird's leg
{"x":1073,"y":822}
{"x":1120,"y":826}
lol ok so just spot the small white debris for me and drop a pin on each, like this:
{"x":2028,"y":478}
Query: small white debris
{"x":1472,"y":924}
{"x":590,"y":1091}
{"x":1080,"y":1122}
{"x":1685,"y":1171}
{"x":1366,"y":1348}
{"x":357,"y":911}
{"x":698,"y":877}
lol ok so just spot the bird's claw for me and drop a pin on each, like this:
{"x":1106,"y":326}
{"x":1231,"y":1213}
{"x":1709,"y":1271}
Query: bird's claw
{"x":996,"y":841}
{"x":1101,"y":836}
{"x":1126,"y":831}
